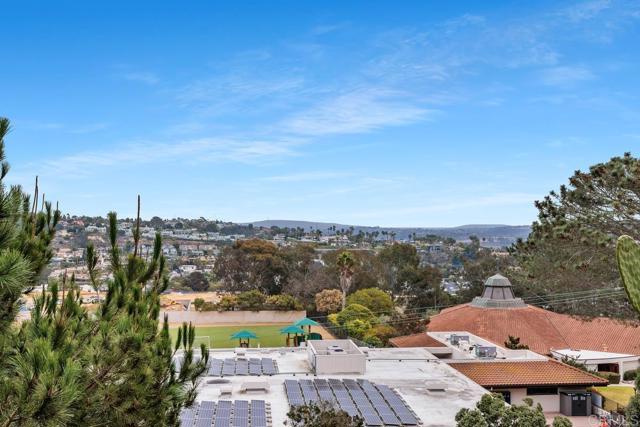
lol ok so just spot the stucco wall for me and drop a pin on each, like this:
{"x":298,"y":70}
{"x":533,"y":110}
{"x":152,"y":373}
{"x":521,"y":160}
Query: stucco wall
{"x":233,"y":317}
{"x":550,"y":403}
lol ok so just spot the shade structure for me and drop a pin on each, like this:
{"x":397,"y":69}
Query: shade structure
{"x":243,"y":334}
{"x":306,"y":322}
{"x":292,"y":329}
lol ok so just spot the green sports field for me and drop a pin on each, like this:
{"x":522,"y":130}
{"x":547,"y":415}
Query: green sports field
{"x":219,"y":336}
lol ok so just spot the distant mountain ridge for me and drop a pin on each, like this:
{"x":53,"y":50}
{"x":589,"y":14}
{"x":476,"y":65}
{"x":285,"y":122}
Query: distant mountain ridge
{"x":462,"y":232}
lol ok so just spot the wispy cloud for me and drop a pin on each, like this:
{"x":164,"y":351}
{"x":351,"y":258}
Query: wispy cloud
{"x":446,"y":205}
{"x":565,"y":76}
{"x":145,"y":77}
{"x":358,"y":111}
{"x":63,"y":127}
{"x":306,"y":176}
{"x":566,"y":142}
{"x":187,"y":151}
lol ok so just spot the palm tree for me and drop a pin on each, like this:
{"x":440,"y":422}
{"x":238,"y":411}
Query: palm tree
{"x":345,"y":263}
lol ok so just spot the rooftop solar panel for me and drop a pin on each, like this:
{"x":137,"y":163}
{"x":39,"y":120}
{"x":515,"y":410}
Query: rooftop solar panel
{"x":202,"y":422}
{"x":207,"y":404}
{"x":222,"y":422}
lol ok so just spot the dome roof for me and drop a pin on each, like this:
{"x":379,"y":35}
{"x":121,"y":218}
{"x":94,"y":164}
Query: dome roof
{"x":498,"y":280}
{"x":498,"y":293}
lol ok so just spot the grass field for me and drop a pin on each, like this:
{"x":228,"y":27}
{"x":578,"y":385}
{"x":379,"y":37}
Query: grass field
{"x":613,"y":395}
{"x":268,"y":335}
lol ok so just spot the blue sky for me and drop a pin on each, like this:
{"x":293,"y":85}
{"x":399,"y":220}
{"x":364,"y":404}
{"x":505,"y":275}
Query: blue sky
{"x":383,"y":113}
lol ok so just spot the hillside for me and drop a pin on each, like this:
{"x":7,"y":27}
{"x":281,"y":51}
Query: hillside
{"x":462,"y":232}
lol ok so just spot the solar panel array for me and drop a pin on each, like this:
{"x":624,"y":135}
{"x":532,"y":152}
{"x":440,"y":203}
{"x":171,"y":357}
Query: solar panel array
{"x":378,"y":405}
{"x":231,"y":367}
{"x":227,"y":413}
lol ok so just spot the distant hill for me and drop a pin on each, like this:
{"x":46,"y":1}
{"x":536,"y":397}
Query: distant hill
{"x":505,"y":234}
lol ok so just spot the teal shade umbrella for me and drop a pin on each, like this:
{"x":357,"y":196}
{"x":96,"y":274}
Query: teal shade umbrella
{"x":292,"y":329}
{"x":242,"y":335}
{"x":306,"y":322}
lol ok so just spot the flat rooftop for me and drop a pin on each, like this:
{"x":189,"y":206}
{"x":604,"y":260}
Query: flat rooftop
{"x":431,"y":388}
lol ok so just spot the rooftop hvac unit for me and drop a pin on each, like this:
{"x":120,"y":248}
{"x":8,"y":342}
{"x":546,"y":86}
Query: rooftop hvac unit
{"x":486,"y":352}
{"x":457,"y":339}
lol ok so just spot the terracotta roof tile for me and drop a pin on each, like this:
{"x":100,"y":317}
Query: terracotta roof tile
{"x":526,"y":374}
{"x":541,"y":330}
{"x":416,"y":340}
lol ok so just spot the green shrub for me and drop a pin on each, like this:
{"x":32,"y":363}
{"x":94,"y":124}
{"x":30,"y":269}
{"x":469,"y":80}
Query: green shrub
{"x":283,"y":302}
{"x":382,"y":333}
{"x":630,"y":375}
{"x":376,"y":300}
{"x":333,"y":319}
{"x":251,"y":300}
{"x":353,"y":312}
{"x":611,"y":376}
{"x":561,"y":422}
{"x":357,"y":328}
{"x":227,"y":303}
{"x":372,"y":340}
{"x":198,"y":303}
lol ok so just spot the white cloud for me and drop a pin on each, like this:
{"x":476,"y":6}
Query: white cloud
{"x":565,"y":76}
{"x":145,"y":77}
{"x":586,"y":10}
{"x":437,"y":206}
{"x":306,"y":176}
{"x":187,"y":151}
{"x":358,"y":111}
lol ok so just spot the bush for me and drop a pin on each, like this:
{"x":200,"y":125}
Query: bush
{"x":630,"y":375}
{"x":198,"y":303}
{"x":382,"y":333}
{"x":328,"y":300}
{"x":283,"y":302}
{"x":376,"y":300}
{"x":353,"y":312}
{"x":357,"y":328}
{"x":251,"y":300}
{"x":372,"y":340}
{"x":611,"y":376}
{"x":561,"y":422}
{"x":632,"y":411}
{"x":322,"y":414}
{"x":333,"y":319}
{"x":227,"y":303}
{"x":202,"y":305}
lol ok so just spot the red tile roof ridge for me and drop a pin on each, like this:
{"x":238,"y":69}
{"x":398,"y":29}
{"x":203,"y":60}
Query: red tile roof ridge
{"x":575,"y":369}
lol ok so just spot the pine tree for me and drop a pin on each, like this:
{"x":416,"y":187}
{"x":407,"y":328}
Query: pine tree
{"x":67,"y":366}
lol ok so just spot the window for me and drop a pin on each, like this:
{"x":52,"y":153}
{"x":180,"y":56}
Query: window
{"x":540,"y":391}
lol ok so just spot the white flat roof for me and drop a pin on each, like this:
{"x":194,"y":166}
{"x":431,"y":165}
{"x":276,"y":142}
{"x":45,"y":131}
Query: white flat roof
{"x":463,"y":352}
{"x":414,"y":372}
{"x":590,"y":354}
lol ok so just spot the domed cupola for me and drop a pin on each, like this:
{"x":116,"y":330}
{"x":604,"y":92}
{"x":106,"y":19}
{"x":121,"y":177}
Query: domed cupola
{"x":498,"y":293}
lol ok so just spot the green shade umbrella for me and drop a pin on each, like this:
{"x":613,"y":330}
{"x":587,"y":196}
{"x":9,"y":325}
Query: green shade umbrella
{"x":292,"y":329}
{"x":306,"y":322}
{"x":243,"y":334}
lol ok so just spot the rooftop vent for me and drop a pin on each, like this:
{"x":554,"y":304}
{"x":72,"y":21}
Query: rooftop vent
{"x":498,"y":293}
{"x":457,"y":339}
{"x":486,"y":352}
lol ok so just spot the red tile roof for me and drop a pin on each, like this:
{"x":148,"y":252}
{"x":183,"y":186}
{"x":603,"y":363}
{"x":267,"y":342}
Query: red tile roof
{"x":526,"y":374}
{"x":541,"y":330}
{"x":416,"y":340}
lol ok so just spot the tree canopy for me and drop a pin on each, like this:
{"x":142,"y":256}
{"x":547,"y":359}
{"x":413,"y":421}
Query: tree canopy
{"x":572,"y":244}
{"x":68,"y":366}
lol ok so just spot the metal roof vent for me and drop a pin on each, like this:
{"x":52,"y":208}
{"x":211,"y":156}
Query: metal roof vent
{"x":498,"y":293}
